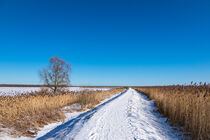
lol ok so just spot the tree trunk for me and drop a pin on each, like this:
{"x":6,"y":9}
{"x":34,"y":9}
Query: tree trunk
{"x":55,"y":89}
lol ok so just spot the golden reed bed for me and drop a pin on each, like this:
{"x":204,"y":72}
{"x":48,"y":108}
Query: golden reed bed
{"x":188,"y":106}
{"x":25,"y":114}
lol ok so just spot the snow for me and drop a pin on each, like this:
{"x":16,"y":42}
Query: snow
{"x":15,"y":91}
{"x":52,"y":126}
{"x":44,"y":130}
{"x":126,"y":116}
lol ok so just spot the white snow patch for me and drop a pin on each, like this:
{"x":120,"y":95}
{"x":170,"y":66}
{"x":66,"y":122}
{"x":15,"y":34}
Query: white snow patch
{"x":15,"y":91}
{"x":44,"y":130}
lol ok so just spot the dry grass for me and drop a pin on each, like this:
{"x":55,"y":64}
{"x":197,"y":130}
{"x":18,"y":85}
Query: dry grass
{"x":188,"y":106}
{"x":25,"y":114}
{"x":90,"y":99}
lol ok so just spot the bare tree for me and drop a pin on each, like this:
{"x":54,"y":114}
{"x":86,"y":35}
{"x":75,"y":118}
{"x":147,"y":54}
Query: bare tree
{"x":56,"y":75}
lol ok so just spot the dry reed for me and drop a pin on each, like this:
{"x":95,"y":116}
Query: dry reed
{"x":25,"y":114}
{"x":188,"y":106}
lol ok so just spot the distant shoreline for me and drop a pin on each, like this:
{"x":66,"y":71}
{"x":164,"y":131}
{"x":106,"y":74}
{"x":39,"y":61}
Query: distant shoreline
{"x":24,"y":85}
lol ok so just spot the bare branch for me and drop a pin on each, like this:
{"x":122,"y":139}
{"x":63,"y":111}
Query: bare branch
{"x":56,"y":75}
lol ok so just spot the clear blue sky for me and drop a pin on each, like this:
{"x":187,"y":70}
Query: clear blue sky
{"x":107,"y":42}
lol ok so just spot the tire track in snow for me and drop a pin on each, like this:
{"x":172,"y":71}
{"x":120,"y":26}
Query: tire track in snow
{"x":145,"y":122}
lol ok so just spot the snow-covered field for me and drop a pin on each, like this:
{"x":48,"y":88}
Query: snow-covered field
{"x":126,"y":116}
{"x":15,"y":91}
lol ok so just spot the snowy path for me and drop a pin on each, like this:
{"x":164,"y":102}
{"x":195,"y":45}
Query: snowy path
{"x":128,"y":116}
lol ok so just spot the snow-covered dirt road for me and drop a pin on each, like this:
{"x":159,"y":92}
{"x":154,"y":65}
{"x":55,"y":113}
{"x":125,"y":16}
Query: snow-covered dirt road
{"x":128,"y":116}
